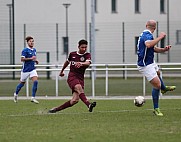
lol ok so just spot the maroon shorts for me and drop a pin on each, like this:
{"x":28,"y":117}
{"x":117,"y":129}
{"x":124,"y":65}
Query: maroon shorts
{"x":74,"y":81}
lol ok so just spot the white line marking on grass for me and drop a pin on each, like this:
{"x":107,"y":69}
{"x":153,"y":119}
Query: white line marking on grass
{"x":90,"y":97}
{"x":43,"y":112}
{"x":40,"y":112}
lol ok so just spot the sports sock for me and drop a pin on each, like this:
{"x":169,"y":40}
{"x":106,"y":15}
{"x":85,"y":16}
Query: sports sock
{"x":64,"y":106}
{"x":155,"y":97}
{"x":19,"y":86}
{"x":162,"y":84}
{"x":84,"y":99}
{"x":34,"y":88}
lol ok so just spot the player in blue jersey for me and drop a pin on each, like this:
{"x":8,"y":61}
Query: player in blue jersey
{"x":146,"y":64}
{"x":28,"y":57}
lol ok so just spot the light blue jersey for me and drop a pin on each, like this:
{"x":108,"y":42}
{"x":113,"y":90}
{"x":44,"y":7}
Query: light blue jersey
{"x":145,"y":55}
{"x":28,"y":66}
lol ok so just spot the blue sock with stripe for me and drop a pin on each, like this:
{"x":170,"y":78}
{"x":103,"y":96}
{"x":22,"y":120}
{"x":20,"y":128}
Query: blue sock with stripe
{"x":162,"y":84}
{"x":34,"y":89}
{"x":19,"y":86}
{"x":155,"y":97}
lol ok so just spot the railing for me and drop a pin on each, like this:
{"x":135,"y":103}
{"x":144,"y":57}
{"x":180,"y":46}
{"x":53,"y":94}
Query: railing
{"x":93,"y":68}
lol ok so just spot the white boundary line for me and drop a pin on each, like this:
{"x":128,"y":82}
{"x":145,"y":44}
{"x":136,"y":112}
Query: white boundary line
{"x":91,"y":98}
{"x":45,"y":112}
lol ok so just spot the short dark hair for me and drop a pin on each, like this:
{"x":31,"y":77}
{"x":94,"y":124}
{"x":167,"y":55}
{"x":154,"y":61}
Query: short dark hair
{"x":83,"y":41}
{"x":28,"y":38}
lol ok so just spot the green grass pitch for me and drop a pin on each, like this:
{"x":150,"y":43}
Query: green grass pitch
{"x":117,"y":87}
{"x":111,"y":121}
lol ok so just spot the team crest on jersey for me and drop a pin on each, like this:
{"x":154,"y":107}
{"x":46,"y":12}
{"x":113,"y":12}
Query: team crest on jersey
{"x":82,"y":59}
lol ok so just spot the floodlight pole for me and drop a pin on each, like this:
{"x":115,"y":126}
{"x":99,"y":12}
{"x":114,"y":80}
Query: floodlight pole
{"x":10,"y":32}
{"x":93,"y":31}
{"x":92,"y":39}
{"x":13,"y":29}
{"x":66,"y":5}
{"x":168,"y":29}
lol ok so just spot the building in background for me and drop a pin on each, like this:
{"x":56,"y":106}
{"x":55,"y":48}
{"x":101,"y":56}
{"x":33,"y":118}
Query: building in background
{"x":118,"y":24}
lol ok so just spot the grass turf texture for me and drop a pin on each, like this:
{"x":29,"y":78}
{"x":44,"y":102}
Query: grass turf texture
{"x":111,"y":121}
{"x":117,"y":87}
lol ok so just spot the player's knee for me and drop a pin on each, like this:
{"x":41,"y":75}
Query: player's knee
{"x":158,"y":86}
{"x":78,"y":88}
{"x":73,"y":102}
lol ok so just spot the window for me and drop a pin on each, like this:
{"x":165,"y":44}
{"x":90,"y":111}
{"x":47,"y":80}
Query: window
{"x":137,"y":6}
{"x":114,"y":6}
{"x":162,"y":6}
{"x":178,"y":37}
{"x":162,"y":43}
{"x":136,"y":43}
{"x":95,"y":6}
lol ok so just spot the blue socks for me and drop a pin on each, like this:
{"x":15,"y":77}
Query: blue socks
{"x":162,"y":84}
{"x":34,"y":89}
{"x":19,"y":86}
{"x":155,"y":96}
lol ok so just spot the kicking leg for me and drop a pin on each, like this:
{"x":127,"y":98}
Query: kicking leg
{"x":67,"y":104}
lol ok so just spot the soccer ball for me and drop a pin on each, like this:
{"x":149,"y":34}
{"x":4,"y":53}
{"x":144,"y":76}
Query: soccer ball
{"x":139,"y":101}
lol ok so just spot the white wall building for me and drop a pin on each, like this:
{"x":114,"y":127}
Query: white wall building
{"x":45,"y":20}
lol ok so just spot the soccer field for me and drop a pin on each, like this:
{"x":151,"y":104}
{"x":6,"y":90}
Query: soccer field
{"x":111,"y":121}
{"x":117,"y":87}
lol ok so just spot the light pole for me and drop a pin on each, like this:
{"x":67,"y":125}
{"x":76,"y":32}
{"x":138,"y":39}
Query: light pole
{"x":66,"y":39}
{"x":10,"y":32}
{"x":168,"y":28}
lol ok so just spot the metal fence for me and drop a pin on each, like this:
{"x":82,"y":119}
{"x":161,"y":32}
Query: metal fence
{"x":115,"y":42}
{"x":101,"y":70}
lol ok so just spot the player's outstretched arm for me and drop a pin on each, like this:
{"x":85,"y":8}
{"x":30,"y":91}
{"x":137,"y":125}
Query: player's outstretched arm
{"x":162,"y":50}
{"x":63,"y":68}
{"x":79,"y":64}
{"x":86,"y":63}
{"x":36,"y":61}
{"x":152,"y":43}
{"x":28,"y":59}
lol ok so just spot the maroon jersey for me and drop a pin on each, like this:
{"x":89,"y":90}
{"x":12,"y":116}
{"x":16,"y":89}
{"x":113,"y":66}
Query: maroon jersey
{"x":76,"y":57}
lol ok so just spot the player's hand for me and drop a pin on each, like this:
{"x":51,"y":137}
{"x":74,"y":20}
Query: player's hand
{"x":33,"y":58}
{"x":167,"y":47}
{"x":61,"y":74}
{"x":162,"y":35}
{"x":36,"y":61}
{"x":78,"y":64}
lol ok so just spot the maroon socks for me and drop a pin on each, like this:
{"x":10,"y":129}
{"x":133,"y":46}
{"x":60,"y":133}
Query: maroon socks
{"x":84,"y":99}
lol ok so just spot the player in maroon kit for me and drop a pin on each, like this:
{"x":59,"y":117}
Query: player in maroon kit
{"x":79,"y":61}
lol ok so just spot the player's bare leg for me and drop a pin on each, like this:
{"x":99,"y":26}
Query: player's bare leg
{"x":82,"y":96}
{"x":70,"y":103}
